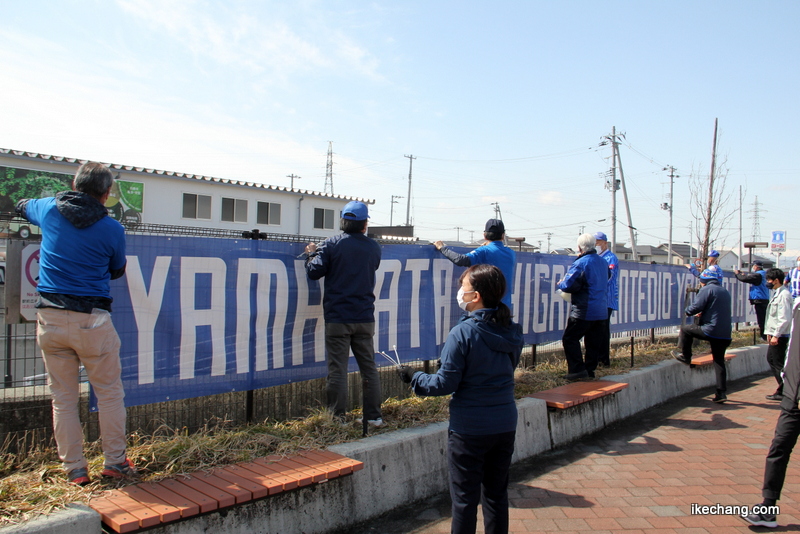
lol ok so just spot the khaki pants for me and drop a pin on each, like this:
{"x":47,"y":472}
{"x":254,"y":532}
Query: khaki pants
{"x":69,"y":339}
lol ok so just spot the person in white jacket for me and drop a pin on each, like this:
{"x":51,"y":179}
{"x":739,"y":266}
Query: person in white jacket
{"x":777,"y":326}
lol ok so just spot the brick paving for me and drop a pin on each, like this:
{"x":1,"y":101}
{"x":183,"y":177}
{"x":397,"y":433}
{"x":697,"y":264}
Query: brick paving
{"x":643,"y":475}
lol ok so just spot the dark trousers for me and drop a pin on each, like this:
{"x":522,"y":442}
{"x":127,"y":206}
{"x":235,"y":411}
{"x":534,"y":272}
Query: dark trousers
{"x":340,"y":338}
{"x":786,"y":432}
{"x":604,"y":349}
{"x":592,"y":334}
{"x":475,"y":463}
{"x":776,"y":355}
{"x":686,"y":337}
{"x":761,"y":313}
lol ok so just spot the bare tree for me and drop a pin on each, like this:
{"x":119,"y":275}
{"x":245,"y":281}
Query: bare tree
{"x":711,"y":201}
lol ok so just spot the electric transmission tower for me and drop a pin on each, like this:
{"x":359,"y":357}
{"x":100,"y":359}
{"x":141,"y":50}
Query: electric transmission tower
{"x":329,"y":170}
{"x":756,"y":211}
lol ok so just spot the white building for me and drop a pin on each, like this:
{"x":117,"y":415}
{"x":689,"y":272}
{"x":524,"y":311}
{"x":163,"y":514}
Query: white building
{"x":171,"y":198}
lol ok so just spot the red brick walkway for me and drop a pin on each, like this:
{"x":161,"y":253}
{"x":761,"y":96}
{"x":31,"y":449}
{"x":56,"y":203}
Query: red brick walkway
{"x":643,"y":475}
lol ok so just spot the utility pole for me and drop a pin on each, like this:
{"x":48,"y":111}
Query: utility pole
{"x":612,"y":184}
{"x":411,"y":159}
{"x":548,"y":234}
{"x":740,"y":227}
{"x":391,"y":209}
{"x":329,"y":170}
{"x":581,"y":229}
{"x":458,"y":234}
{"x":472,"y":236}
{"x":669,"y":207}
{"x":618,"y":161}
{"x":497,"y":214}
{"x":292,"y":176}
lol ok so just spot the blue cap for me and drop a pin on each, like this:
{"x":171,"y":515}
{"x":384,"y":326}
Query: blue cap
{"x":708,"y":274}
{"x":600,"y":236}
{"x":713,"y":254}
{"x":355,"y":211}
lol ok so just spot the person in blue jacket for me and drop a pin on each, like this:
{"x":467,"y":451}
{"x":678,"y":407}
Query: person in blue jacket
{"x":477,"y":367}
{"x":604,"y":357}
{"x":348,"y":263}
{"x":494,"y":252}
{"x":759,"y":294}
{"x":82,"y":250}
{"x":586,"y":283}
{"x":713,"y":268}
{"x":713,"y":304}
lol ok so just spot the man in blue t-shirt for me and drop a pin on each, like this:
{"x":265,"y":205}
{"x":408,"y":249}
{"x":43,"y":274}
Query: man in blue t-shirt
{"x":82,"y":250}
{"x":493,"y":252}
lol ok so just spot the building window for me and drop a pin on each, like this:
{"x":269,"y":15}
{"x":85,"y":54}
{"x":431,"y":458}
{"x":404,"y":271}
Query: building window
{"x":234,"y":210}
{"x":196,"y":206}
{"x":268,"y":213}
{"x":323,"y":219}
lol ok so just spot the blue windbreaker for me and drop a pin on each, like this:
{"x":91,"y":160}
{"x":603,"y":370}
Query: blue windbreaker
{"x":613,"y":282}
{"x":587,"y":281}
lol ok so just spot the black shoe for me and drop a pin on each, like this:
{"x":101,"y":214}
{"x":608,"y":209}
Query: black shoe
{"x":719,"y":398}
{"x":761,"y":519}
{"x":775,"y":397}
{"x":572,"y":377}
{"x":590,"y":374}
{"x":681,"y":358}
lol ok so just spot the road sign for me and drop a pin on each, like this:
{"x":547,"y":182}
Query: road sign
{"x":778,"y":243}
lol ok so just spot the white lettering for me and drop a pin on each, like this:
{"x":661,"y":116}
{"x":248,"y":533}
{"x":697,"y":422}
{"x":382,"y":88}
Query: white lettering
{"x":307,"y":312}
{"x":191,"y":317}
{"x":442,"y":297}
{"x":264,"y":270}
{"x":389,"y":305}
{"x":146,"y":307}
{"x":415,"y":267}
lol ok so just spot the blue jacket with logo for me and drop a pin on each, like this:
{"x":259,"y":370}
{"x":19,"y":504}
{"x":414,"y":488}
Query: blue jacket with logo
{"x":348,"y":262}
{"x":478,"y":361}
{"x":587,"y":281}
{"x":758,"y":279}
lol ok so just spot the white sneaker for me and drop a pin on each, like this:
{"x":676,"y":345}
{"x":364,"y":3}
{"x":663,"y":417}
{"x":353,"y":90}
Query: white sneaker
{"x":377,"y":423}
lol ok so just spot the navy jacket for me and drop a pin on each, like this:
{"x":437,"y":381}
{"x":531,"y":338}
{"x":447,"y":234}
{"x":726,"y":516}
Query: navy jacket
{"x":587,"y":281}
{"x":713,"y":302}
{"x":348,"y":262}
{"x":478,"y":361}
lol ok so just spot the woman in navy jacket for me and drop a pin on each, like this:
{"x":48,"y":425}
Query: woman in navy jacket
{"x":477,"y":367}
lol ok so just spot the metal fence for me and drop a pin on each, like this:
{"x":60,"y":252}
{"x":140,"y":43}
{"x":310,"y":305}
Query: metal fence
{"x":25,"y":412}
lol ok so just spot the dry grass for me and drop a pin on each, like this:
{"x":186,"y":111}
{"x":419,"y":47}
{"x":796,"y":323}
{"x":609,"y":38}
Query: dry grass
{"x":33,"y":483}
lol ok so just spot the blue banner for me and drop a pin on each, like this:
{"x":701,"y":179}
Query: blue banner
{"x":199,"y":316}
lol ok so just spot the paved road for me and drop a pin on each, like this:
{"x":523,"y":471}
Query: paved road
{"x":642,"y":475}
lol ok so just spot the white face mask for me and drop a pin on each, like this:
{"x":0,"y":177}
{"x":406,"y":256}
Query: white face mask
{"x":460,"y":299}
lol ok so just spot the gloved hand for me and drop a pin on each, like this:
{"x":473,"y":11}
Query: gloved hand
{"x":406,"y":373}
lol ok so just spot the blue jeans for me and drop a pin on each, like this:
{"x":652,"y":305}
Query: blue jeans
{"x":479,"y":462}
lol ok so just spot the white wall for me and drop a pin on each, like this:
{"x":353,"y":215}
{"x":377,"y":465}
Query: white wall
{"x":163,"y":199}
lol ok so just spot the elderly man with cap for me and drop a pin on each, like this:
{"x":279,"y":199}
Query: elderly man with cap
{"x":604,"y":355}
{"x":759,"y":294}
{"x":713,"y":305}
{"x":348,"y":263}
{"x":493,"y":252}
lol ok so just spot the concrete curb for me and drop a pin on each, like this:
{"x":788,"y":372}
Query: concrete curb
{"x":408,"y":465}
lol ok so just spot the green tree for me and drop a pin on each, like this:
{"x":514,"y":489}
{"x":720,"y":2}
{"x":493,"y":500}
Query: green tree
{"x":17,"y":184}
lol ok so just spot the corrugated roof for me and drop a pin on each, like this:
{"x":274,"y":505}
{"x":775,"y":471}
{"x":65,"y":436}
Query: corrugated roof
{"x":131,"y":168}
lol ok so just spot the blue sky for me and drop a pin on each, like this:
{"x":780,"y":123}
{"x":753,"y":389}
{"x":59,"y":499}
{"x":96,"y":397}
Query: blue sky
{"x":501,"y":102}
